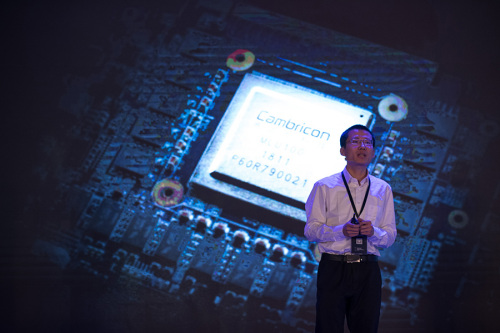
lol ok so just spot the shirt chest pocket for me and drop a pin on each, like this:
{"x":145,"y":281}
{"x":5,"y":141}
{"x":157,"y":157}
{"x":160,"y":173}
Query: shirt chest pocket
{"x":372,"y":209}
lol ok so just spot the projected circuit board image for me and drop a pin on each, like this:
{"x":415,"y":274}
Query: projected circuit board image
{"x":274,"y":141}
{"x":191,"y":144}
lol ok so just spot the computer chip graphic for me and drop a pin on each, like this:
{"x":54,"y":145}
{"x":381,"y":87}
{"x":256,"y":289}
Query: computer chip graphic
{"x":274,"y":141}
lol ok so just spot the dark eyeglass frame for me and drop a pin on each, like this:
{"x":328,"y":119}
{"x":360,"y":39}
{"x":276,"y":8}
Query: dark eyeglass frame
{"x":358,"y":142}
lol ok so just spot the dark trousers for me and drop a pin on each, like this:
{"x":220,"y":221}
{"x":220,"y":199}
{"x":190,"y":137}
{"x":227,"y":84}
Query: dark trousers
{"x":349,"y":291}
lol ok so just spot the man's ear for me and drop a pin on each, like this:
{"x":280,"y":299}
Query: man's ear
{"x":342,"y":151}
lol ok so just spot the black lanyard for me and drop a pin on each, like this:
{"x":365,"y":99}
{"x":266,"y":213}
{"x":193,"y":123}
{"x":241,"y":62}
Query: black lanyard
{"x":350,"y":196}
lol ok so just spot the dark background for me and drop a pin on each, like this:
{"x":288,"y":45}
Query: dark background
{"x":43,"y":41}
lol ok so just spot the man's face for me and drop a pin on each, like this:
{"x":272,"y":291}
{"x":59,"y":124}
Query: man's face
{"x":359,"y":154}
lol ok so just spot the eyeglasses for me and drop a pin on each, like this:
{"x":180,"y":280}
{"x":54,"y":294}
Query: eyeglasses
{"x":358,"y":142}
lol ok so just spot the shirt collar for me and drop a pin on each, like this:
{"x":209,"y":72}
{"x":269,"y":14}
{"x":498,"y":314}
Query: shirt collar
{"x":350,"y":178}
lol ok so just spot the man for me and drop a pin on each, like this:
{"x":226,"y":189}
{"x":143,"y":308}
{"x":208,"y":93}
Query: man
{"x":357,"y":218}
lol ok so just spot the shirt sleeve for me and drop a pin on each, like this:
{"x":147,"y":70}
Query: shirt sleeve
{"x":316,"y":229}
{"x":385,"y":232}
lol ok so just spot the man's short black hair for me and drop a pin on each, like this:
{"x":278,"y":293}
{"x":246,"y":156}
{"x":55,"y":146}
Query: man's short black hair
{"x":343,"y":137}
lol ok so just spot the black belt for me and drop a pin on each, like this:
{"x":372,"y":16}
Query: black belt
{"x":350,"y":258}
